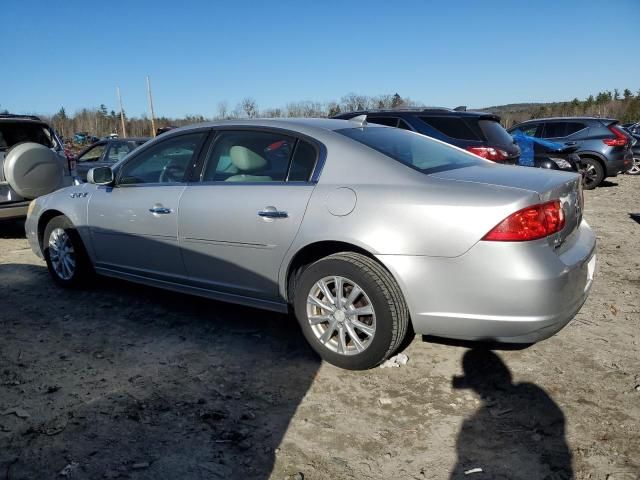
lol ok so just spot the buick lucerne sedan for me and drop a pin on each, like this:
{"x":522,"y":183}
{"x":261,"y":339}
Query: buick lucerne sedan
{"x":368,"y":233}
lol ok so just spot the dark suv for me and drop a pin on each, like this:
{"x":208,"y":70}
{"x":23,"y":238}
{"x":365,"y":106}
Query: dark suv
{"x":477,"y":132}
{"x":604,"y":147}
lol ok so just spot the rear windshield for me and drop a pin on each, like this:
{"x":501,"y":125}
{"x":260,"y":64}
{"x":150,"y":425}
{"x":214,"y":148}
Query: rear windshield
{"x":12,"y":133}
{"x":414,"y":150}
{"x":494,"y":133}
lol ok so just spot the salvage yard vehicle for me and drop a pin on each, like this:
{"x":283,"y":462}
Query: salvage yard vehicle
{"x":32,"y":163}
{"x":477,"y":132}
{"x":106,"y":152}
{"x":604,"y":146}
{"x":366,"y":232}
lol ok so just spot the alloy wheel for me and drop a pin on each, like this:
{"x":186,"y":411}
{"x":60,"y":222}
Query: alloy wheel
{"x":635,"y":168}
{"x":590,"y":175}
{"x":341,"y":315}
{"x":61,"y":254}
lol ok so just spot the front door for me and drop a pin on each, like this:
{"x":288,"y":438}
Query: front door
{"x":134,"y":224}
{"x":238,"y":222}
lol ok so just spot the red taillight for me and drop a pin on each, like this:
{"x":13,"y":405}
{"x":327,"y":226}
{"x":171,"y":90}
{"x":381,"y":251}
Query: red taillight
{"x":490,"y":153}
{"x":620,"y":141}
{"x":531,"y":223}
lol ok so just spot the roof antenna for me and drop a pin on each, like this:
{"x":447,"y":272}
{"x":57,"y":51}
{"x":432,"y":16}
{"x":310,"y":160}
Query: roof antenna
{"x":361,"y":120}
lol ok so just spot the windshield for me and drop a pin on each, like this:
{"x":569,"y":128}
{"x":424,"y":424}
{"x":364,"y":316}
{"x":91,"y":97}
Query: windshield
{"x":414,"y":150}
{"x":12,"y":133}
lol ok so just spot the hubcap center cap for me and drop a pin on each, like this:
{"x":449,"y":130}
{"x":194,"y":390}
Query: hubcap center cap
{"x":339,"y":316}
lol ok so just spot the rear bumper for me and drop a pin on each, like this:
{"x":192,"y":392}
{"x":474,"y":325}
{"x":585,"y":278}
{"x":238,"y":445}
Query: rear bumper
{"x":619,"y":163}
{"x":498,"y":291}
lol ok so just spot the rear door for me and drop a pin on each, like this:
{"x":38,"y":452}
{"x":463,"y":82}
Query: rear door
{"x":240,"y":217}
{"x":134,"y":224}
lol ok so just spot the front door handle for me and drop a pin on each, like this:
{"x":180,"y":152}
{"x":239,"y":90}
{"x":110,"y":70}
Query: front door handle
{"x":271,"y":212}
{"x":160,"y":210}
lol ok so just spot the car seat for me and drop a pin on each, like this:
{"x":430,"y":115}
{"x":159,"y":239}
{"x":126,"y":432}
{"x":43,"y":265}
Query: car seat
{"x":247,"y":161}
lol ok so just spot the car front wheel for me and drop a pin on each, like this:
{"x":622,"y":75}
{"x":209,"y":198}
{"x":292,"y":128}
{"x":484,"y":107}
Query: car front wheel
{"x":351,"y":310}
{"x":66,"y":258}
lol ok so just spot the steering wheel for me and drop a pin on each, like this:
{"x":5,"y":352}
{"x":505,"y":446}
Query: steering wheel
{"x":171,"y":173}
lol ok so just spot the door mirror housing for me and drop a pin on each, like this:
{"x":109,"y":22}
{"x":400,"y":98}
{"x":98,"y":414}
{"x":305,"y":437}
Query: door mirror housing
{"x":100,"y":176}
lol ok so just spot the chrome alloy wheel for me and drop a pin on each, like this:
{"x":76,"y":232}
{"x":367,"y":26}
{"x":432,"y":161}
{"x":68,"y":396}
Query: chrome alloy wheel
{"x":635,"y":168}
{"x":590,"y":175}
{"x":341,"y":315}
{"x":61,"y":254}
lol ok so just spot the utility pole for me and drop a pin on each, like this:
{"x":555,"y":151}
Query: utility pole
{"x":124,"y":128}
{"x":153,"y":119}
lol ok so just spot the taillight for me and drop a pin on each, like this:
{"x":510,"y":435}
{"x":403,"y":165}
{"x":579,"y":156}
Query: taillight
{"x":490,"y":153}
{"x":620,"y":141}
{"x":530,"y":223}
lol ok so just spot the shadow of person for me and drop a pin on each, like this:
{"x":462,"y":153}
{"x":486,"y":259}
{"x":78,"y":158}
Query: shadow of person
{"x":518,"y":432}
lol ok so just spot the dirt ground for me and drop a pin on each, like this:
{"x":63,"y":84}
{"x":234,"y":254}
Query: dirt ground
{"x":123,"y":381}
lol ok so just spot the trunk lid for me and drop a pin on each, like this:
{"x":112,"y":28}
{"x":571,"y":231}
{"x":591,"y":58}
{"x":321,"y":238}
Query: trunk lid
{"x":547,"y":184}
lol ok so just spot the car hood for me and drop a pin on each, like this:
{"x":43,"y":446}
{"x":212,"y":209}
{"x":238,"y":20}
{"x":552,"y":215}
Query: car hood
{"x":536,"y":180}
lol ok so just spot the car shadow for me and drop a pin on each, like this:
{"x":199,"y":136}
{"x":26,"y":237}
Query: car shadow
{"x":12,"y":229}
{"x":635,"y":217}
{"x":123,"y":380}
{"x":607,"y":183}
{"x":518,"y":432}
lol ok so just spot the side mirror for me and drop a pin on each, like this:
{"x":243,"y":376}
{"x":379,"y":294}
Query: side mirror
{"x":100,"y":176}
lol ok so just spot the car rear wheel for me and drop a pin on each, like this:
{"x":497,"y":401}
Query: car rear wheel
{"x":635,"y":168}
{"x":66,"y":257}
{"x":351,"y":310}
{"x":593,"y":173}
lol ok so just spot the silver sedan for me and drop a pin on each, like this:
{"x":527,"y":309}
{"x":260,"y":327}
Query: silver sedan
{"x":368,"y":233}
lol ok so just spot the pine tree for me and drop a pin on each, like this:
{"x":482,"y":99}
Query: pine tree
{"x":396,"y":101}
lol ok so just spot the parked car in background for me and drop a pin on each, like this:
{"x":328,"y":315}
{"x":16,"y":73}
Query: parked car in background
{"x":604,"y":146}
{"x":106,"y":152}
{"x":540,"y":153}
{"x":366,"y":232}
{"x":32,"y":163}
{"x":634,"y":131}
{"x":477,"y":132}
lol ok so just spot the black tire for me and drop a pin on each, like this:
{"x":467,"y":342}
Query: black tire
{"x":594,"y":173}
{"x":391,"y":313}
{"x":83,"y":271}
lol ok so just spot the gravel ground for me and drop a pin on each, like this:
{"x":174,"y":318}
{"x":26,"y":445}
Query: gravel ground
{"x":124,"y":381}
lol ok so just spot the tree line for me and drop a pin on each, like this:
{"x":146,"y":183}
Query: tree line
{"x":100,"y":121}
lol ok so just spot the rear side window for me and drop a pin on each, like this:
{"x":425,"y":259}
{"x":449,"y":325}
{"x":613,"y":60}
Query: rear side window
{"x":303,"y":161}
{"x":529,"y":130}
{"x":248,"y":156}
{"x":386,"y":121}
{"x":452,"y":127}
{"x":416,"y":151}
{"x":574,"y":127}
{"x":494,"y":133}
{"x":554,"y":130}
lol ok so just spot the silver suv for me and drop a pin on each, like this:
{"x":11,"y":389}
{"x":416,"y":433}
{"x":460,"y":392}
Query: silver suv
{"x":32,"y":163}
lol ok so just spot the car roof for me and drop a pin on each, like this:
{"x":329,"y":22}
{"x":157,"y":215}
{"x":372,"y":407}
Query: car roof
{"x":420,"y":111}
{"x":21,"y":118}
{"x":547,"y":119}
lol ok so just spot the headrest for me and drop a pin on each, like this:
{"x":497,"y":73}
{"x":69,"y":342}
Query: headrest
{"x":246,"y":160}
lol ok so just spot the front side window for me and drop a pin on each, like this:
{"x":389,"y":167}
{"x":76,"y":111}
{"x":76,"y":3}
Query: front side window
{"x":416,"y":151}
{"x":529,"y":130}
{"x":119,"y":150}
{"x":249,"y":156}
{"x":165,"y":162}
{"x":93,"y":154}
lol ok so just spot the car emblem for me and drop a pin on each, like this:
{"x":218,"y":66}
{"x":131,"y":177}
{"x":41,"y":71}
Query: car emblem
{"x":78,"y":194}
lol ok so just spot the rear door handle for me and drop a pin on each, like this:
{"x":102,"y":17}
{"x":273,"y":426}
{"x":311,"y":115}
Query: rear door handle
{"x":160,"y":210}
{"x":268,"y":213}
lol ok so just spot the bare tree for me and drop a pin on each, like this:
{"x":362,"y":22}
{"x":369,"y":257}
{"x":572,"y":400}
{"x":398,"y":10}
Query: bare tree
{"x":223,"y":109}
{"x":249,"y":106}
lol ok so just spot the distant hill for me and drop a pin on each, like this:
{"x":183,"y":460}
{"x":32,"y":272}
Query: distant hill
{"x":517,"y":107}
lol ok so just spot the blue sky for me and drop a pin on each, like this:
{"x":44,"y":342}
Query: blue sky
{"x":198,"y":53}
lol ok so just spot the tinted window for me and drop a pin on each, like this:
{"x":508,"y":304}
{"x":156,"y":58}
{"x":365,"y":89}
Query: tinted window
{"x":165,"y":162}
{"x":249,"y":157}
{"x":416,"y":151}
{"x":554,"y":130}
{"x":529,"y":130}
{"x":573,"y":127}
{"x":387,"y":121}
{"x":93,"y":154}
{"x":494,"y":133}
{"x":404,"y":125}
{"x":304,"y":159}
{"x":16,"y":132}
{"x":118,"y":151}
{"x":452,"y":127}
